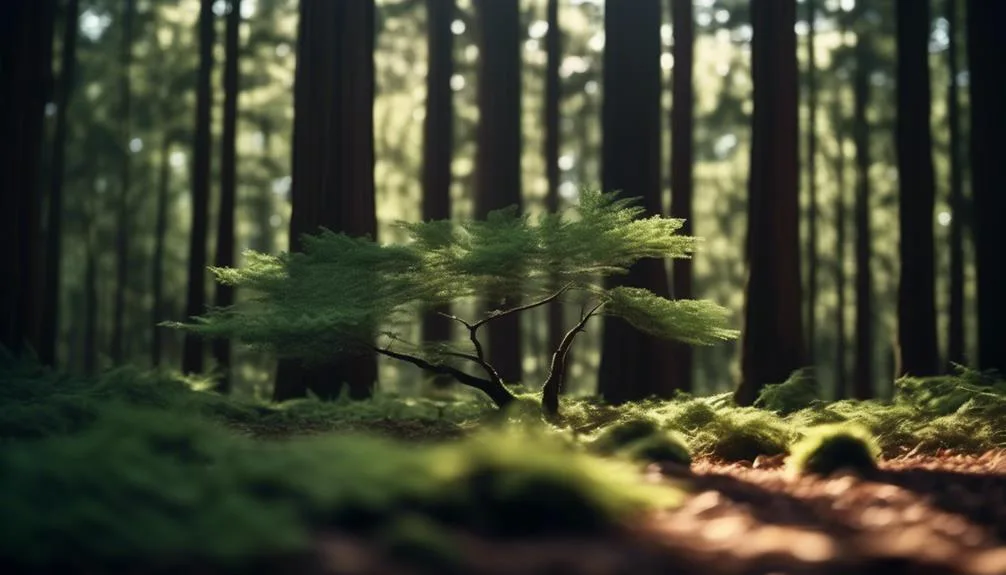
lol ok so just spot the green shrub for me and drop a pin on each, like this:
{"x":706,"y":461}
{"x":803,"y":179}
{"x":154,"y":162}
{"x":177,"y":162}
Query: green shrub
{"x":827,"y":449}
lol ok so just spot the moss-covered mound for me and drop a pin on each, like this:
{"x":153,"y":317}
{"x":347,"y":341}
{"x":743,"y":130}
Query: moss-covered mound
{"x":828,"y":449}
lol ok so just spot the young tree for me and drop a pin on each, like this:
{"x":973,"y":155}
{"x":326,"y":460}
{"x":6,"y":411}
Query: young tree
{"x":682,"y":159}
{"x":498,"y":153}
{"x":193,"y":355}
{"x":917,"y":350}
{"x":438,"y":133}
{"x":773,"y":343}
{"x":633,"y":365}
{"x":333,"y":164}
{"x":986,"y":44}
{"x":228,"y":161}
{"x":330,"y":298}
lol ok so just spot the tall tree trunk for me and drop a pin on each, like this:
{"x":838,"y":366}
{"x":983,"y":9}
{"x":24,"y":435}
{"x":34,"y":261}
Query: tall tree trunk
{"x":438,"y":137}
{"x":862,"y":387}
{"x":841,"y":353}
{"x":773,"y":345}
{"x":26,"y":30}
{"x":122,"y":206}
{"x":49,"y":330}
{"x":812,"y":257}
{"x":986,"y":44}
{"x":90,"y":288}
{"x":917,"y":349}
{"x":682,"y":160}
{"x":333,"y":161}
{"x":160,"y":235}
{"x":193,"y":355}
{"x":498,"y":154}
{"x":955,"y":337}
{"x":634,"y":365}
{"x":553,"y":52}
{"x":262,"y":205}
{"x":228,"y":160}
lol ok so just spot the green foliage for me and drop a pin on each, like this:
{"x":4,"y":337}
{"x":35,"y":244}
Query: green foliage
{"x":664,"y":447}
{"x":622,"y":433}
{"x":799,"y":391}
{"x":827,"y":449}
{"x":337,"y":295}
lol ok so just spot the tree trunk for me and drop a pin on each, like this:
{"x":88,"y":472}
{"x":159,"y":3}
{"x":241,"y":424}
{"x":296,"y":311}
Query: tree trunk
{"x":160,"y":235}
{"x":634,"y":365}
{"x":917,"y":351}
{"x":333,"y":162}
{"x":772,"y":342}
{"x":841,"y":353}
{"x":862,"y":387}
{"x":986,"y":44}
{"x":682,"y":160}
{"x":193,"y":356}
{"x":26,"y":30}
{"x":498,"y":153}
{"x":49,"y":330}
{"x":438,"y":138}
{"x":228,"y":159}
{"x":553,"y":51}
{"x":955,"y":337}
{"x":122,"y":206}
{"x":812,"y":258}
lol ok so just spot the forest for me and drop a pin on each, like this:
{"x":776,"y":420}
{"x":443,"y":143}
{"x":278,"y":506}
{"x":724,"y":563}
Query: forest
{"x":502,"y":286}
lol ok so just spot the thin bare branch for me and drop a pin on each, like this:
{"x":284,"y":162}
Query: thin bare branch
{"x":521,"y":308}
{"x":495,"y":390}
{"x":557,"y":369}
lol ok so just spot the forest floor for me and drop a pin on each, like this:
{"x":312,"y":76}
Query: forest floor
{"x":144,"y":472}
{"x":934,"y":514}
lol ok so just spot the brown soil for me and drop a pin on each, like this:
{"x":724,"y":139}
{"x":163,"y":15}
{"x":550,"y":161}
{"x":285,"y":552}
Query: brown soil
{"x":941,"y":514}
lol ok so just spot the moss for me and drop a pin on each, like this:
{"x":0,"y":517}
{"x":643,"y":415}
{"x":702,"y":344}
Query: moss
{"x":421,"y":543}
{"x":799,"y":391}
{"x":666,"y":447}
{"x":622,"y":433}
{"x":827,"y":449}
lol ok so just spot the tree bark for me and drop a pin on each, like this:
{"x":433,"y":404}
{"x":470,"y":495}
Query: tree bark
{"x":634,"y":365}
{"x":812,"y":257}
{"x":333,"y":162}
{"x":986,"y":44}
{"x":193,"y":356}
{"x":862,"y":387}
{"x":26,"y":33}
{"x":49,"y":330}
{"x":682,"y":161}
{"x":553,"y":52}
{"x":498,"y":153}
{"x":160,"y":235}
{"x":438,"y":137}
{"x":917,"y":350}
{"x":955,"y":335}
{"x":773,"y":344}
{"x":228,"y":161}
{"x":841,"y":353}
{"x":122,"y":227}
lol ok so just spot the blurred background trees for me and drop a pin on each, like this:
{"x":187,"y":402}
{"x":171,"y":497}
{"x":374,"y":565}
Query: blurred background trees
{"x":147,"y":139}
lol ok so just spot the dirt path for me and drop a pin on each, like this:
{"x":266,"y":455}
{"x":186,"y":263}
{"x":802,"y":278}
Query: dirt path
{"x":943,"y":514}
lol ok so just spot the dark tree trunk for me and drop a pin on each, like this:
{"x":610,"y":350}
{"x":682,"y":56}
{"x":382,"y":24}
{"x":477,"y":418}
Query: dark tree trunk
{"x":916,"y":349}
{"x":633,"y":365}
{"x":812,"y":258}
{"x":26,"y":30}
{"x":49,"y":330}
{"x":986,"y":45}
{"x":438,"y":137}
{"x":955,"y":337}
{"x":553,"y":51}
{"x":333,"y":162}
{"x":862,"y":387}
{"x":772,"y":342}
{"x":263,"y":210}
{"x":228,"y":160}
{"x":682,"y":160}
{"x":160,"y":235}
{"x":841,"y":353}
{"x":91,"y":298}
{"x":193,"y":355}
{"x":122,"y":206}
{"x":498,"y":166}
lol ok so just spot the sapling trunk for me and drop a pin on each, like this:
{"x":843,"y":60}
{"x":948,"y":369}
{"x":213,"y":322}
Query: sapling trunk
{"x":557,"y":371}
